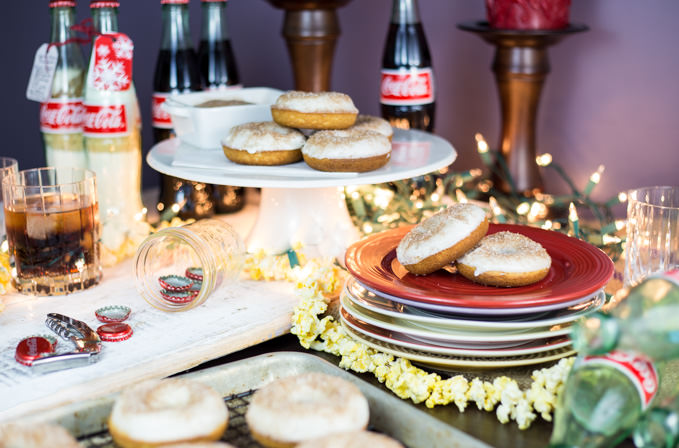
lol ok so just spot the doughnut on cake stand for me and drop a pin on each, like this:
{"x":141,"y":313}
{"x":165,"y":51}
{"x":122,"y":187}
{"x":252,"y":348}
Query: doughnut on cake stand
{"x":299,"y":204}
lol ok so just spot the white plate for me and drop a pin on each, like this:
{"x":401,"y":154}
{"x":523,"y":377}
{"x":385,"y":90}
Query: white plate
{"x":457,"y":338}
{"x":445,"y":362}
{"x":403,"y":340}
{"x":370,"y":301}
{"x":414,"y":153}
{"x":449,"y":309}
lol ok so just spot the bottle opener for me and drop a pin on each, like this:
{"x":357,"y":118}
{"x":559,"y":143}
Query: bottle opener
{"x":86,"y":341}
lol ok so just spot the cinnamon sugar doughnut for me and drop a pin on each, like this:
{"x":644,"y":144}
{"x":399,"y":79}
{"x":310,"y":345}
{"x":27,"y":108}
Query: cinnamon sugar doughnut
{"x":314,"y":110}
{"x":370,"y":123}
{"x":505,"y":259}
{"x":43,"y":435}
{"x":199,"y":445}
{"x":358,"y":439}
{"x":347,"y":151}
{"x":157,"y":412}
{"x":442,"y":238}
{"x":303,"y":407}
{"x":263,"y":143}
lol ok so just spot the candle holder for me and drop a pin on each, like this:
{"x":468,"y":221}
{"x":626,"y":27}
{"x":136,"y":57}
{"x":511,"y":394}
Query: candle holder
{"x":311,"y":29}
{"x":521,"y":65}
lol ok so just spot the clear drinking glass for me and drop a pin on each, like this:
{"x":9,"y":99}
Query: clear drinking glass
{"x":52,"y":221}
{"x":209,"y":247}
{"x":652,"y":232}
{"x":8,"y":167}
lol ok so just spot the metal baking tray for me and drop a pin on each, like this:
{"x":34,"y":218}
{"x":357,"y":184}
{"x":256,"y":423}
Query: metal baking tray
{"x":236,"y":381}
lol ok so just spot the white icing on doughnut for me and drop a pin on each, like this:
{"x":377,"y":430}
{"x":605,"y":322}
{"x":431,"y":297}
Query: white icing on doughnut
{"x":263,"y":136}
{"x":370,"y":123}
{"x":316,"y":102}
{"x":162,"y":411}
{"x":438,"y":232}
{"x":506,"y":252}
{"x":34,"y":435}
{"x":199,"y":445}
{"x":346,"y":144}
{"x":307,"y":406}
{"x":352,"y":440}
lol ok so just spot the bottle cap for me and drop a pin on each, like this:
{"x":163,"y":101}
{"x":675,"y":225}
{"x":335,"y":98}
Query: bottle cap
{"x":62,"y":3}
{"x":179,"y":296}
{"x":49,"y":337}
{"x":104,"y":4}
{"x":174,"y":2}
{"x":113,"y":313}
{"x":175,"y":283}
{"x":213,"y":1}
{"x":114,"y":332}
{"x":30,"y":349}
{"x":194,"y":273}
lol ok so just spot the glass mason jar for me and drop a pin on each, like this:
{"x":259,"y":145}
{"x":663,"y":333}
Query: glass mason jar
{"x":209,"y":247}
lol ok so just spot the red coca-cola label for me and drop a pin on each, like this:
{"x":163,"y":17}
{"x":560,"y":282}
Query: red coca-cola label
{"x":407,"y":87}
{"x":112,"y":67}
{"x":159,"y":116}
{"x":105,"y":120}
{"x":639,"y":369}
{"x":62,"y":116}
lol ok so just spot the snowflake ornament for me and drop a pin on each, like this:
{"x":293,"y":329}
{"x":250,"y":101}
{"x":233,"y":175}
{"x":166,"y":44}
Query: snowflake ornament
{"x":123,"y":47}
{"x":109,"y":75}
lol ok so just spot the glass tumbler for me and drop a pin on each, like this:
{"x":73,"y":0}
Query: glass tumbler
{"x":207,"y":253}
{"x":8,"y":167}
{"x":52,"y":223}
{"x":652,"y":232}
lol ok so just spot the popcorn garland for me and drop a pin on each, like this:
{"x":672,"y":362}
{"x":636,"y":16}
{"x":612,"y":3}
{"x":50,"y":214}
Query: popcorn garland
{"x":318,"y":279}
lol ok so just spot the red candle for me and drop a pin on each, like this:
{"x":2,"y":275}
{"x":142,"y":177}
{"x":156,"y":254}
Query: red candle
{"x":528,"y":14}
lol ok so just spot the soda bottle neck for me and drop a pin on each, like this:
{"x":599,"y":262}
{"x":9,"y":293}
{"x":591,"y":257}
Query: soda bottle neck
{"x":405,"y":12}
{"x":62,"y":19}
{"x":176,"y":32}
{"x":597,"y":334}
{"x":105,"y":20}
{"x":659,"y":427}
{"x":214,"y":22}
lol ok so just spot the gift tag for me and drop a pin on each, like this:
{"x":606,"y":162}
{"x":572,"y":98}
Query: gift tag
{"x":112,"y":68}
{"x":40,"y":82}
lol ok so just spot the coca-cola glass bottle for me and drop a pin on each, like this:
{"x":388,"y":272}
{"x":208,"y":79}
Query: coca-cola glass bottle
{"x":218,"y":71}
{"x":112,"y":128}
{"x":62,"y":115}
{"x":603,"y":399}
{"x":177,"y":72}
{"x":407,"y":85}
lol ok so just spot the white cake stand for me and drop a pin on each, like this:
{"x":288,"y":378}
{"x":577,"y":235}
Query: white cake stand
{"x":298,"y":204}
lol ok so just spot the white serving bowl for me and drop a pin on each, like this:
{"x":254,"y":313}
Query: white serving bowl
{"x":205,"y":127}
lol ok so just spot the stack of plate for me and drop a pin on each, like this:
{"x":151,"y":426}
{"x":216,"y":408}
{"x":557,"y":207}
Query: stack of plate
{"x":446,"y":321}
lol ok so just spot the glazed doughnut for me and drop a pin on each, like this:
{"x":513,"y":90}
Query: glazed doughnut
{"x":157,"y":412}
{"x":314,"y":110}
{"x":505,"y":259}
{"x":347,"y":151}
{"x":359,"y":439}
{"x":43,"y":435}
{"x":442,"y":238}
{"x":370,"y":123}
{"x":199,"y":445}
{"x":263,"y":143}
{"x":301,"y":407}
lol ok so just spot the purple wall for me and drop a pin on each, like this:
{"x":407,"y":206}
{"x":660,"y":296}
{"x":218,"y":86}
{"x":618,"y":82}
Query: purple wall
{"x":612,"y":96}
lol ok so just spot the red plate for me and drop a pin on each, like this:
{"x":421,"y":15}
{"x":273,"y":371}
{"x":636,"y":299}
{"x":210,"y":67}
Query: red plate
{"x":578,"y":269}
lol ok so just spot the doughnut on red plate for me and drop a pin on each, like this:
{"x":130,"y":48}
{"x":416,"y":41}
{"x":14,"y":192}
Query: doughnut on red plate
{"x":578,"y":270}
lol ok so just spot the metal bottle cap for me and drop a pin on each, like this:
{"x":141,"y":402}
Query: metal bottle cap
{"x":113,"y":313}
{"x":104,"y":4}
{"x":30,"y":349}
{"x":175,"y":283}
{"x":114,"y":332}
{"x":195,"y":273}
{"x":62,"y":4}
{"x":179,"y":296}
